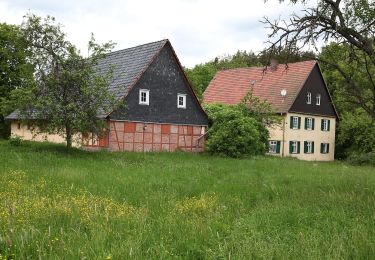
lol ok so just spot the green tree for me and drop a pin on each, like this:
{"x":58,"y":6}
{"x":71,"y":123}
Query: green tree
{"x":15,"y":70}
{"x":240,"y":130}
{"x":70,"y":94}
{"x":356,"y":130}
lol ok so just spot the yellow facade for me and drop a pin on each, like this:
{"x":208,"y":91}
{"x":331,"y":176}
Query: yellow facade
{"x":285,"y":134}
{"x":26,"y":133}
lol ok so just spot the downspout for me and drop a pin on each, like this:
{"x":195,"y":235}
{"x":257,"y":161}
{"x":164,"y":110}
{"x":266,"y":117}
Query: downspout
{"x":199,"y":138}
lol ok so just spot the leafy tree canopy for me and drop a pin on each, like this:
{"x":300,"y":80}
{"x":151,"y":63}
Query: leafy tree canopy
{"x":15,"y":68}
{"x":69,"y":92}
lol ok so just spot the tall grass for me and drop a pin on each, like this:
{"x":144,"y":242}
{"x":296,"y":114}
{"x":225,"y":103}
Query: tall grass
{"x":64,"y":204}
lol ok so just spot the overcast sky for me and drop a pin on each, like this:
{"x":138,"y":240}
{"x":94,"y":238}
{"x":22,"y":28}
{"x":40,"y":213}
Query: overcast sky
{"x":199,"y":30}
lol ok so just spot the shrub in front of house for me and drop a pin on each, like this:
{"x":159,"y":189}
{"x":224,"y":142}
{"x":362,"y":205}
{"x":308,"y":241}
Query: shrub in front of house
{"x":234,"y":133}
{"x":15,"y":140}
{"x":362,"y":158}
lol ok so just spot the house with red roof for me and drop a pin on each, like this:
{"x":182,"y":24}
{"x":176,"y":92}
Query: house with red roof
{"x":298,"y":93}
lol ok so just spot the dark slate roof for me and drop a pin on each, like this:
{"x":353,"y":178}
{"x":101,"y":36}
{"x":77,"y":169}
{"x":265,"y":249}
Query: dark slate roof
{"x":128,"y":66}
{"x":13,"y":115}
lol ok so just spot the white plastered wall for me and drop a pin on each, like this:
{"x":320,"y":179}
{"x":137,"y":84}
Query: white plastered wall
{"x":317,"y":136}
{"x":21,"y":130}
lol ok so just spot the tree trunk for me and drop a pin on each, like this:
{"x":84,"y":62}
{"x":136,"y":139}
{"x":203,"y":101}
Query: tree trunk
{"x":68,"y":130}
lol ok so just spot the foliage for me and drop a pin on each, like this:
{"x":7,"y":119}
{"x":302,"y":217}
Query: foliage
{"x":234,"y":132}
{"x":362,"y":158}
{"x":356,"y":129}
{"x":355,"y":134}
{"x":69,"y":92}
{"x":15,"y":70}
{"x":15,"y":140}
{"x":357,"y":69}
{"x":60,"y":203}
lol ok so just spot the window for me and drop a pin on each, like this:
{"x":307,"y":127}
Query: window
{"x":295,"y":122}
{"x":181,"y":100}
{"x":324,"y":148}
{"x":309,"y":147}
{"x":19,"y":126}
{"x":274,"y":147}
{"x":308,"y":98}
{"x":294,"y":147}
{"x":318,"y":99}
{"x":325,"y":125}
{"x":309,"y":123}
{"x":144,"y":95}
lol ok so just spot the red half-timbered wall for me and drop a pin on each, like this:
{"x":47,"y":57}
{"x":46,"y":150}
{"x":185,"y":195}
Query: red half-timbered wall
{"x":147,"y":137}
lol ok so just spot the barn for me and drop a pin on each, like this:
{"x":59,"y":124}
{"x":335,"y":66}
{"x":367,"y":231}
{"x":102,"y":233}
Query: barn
{"x":161,"y":112}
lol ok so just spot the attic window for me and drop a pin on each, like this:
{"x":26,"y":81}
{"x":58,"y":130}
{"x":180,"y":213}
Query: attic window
{"x":144,"y":96}
{"x":181,"y":101}
{"x":318,"y":99}
{"x":308,"y":101}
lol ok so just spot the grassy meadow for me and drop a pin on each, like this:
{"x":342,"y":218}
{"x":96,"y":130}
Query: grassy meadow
{"x":59,"y":204}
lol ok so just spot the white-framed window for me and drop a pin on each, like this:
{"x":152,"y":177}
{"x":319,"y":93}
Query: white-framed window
{"x":309,"y":147}
{"x":295,"y":122}
{"x":294,"y":147}
{"x":144,"y":96}
{"x":325,"y":125}
{"x":318,"y":99}
{"x":273,"y":147}
{"x":181,"y":100}
{"x":308,"y":101}
{"x":309,"y":123}
{"x":324,"y":148}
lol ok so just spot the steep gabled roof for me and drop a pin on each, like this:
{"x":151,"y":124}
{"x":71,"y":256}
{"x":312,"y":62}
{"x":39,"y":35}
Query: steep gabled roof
{"x":128,"y":65}
{"x":230,"y":86}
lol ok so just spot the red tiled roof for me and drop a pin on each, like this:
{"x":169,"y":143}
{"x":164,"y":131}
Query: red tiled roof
{"x":230,"y":86}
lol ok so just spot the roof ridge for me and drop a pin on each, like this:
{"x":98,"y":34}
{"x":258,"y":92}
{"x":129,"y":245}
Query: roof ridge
{"x":260,"y":67}
{"x":137,"y":46}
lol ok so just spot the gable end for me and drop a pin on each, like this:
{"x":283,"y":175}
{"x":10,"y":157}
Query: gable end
{"x":315,"y":85}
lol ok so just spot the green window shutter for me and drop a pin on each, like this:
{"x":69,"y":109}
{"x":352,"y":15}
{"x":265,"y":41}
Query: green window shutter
{"x":291,"y":122}
{"x":321,"y":147}
{"x":290,"y":147}
{"x":321,"y":124}
{"x":305,"y":147}
{"x":278,"y":147}
{"x":299,"y":122}
{"x":329,"y":121}
{"x":298,"y":147}
{"x":327,"y":148}
{"x":305,"y":123}
{"x":313,"y":123}
{"x":312,"y":147}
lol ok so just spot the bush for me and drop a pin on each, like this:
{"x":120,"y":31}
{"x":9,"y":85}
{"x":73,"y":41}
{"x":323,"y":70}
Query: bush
{"x":362,"y":158}
{"x":15,"y":140}
{"x":234,"y":133}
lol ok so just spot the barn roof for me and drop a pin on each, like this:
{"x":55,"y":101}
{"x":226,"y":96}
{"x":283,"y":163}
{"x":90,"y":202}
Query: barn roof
{"x":128,"y":66}
{"x":231,"y":86}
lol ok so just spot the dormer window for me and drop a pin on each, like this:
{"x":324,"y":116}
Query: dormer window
{"x":308,"y":101}
{"x":144,"y":96}
{"x":318,"y":99}
{"x":181,"y":101}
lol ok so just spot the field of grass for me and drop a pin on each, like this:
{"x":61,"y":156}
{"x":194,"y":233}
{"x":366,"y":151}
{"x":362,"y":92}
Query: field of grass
{"x":61,"y":205}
